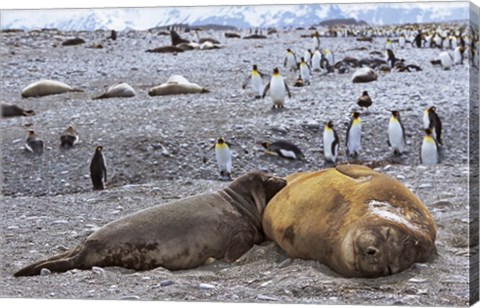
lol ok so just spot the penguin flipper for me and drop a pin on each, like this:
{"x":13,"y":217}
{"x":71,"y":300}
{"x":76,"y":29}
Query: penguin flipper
{"x":288,"y":90}
{"x":244,"y":85}
{"x":267,"y":87}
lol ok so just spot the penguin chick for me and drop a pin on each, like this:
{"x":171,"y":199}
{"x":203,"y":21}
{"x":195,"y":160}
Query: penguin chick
{"x":429,"y":153}
{"x":354,"y":135}
{"x":256,"y":78}
{"x":283,"y":149}
{"x":277,"y":87}
{"x":69,"y":138}
{"x":34,"y":144}
{"x":290,"y":61}
{"x":432,"y":121}
{"x":330,"y":143}
{"x":396,"y":134}
{"x":98,"y":169}
{"x":364,"y":101}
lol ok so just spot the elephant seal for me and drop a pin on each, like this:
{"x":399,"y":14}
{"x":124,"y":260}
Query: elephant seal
{"x":358,"y":222}
{"x":9,"y":111}
{"x":176,"y":84}
{"x":120,"y":89}
{"x":177,"y":235}
{"x":364,"y":74}
{"x":47,"y":87}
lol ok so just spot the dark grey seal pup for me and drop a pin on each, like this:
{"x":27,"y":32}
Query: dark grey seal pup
{"x":177,"y":235}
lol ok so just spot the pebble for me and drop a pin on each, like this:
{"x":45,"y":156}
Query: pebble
{"x":130,"y":297}
{"x":45,"y":272}
{"x":166,"y":283}
{"x":266,"y":298}
{"x":206,"y":286}
{"x":417,"y":280}
{"x":235,"y":297}
{"x":98,"y":270}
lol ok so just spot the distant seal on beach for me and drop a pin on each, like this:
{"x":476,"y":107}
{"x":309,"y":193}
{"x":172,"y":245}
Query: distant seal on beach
{"x":364,"y":74}
{"x":47,"y":87}
{"x":9,"y":111}
{"x":177,"y":235}
{"x":120,"y":89}
{"x":359,"y":222}
{"x":73,"y":42}
{"x":176,"y":84}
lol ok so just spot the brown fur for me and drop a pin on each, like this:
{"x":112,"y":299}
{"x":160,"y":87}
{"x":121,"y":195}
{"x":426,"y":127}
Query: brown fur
{"x":178,"y":235}
{"x":326,"y":216}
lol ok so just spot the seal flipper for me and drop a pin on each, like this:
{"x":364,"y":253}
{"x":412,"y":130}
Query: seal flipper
{"x":238,"y":245}
{"x":60,"y":263}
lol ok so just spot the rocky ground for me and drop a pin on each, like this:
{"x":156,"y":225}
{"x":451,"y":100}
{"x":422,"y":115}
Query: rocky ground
{"x":154,"y":148}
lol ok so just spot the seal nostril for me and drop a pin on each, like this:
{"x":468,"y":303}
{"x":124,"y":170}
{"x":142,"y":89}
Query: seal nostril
{"x":370,"y":251}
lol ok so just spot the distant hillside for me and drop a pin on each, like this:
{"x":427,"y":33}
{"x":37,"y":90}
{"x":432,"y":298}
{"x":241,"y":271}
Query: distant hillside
{"x":342,"y":21}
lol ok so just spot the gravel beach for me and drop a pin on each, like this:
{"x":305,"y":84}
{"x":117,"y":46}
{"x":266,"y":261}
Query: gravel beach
{"x":154,"y":148}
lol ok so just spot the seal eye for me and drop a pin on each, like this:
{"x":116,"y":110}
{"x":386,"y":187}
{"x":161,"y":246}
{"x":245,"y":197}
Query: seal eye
{"x":371,"y":251}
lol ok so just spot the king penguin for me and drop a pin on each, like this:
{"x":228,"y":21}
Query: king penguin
{"x":445,"y":60}
{"x":316,"y":58}
{"x":307,"y":55}
{"x":257,"y":81}
{"x":33,"y":143}
{"x":401,"y":41}
{"x":277,"y":87}
{"x":432,"y":121}
{"x":354,"y":135}
{"x":283,"y":149}
{"x":396,"y":134}
{"x":98,"y":169}
{"x":429,"y":153}
{"x":330,"y":143}
{"x":69,"y":138}
{"x":223,"y":154}
{"x":290,"y":61}
{"x":305,"y":71}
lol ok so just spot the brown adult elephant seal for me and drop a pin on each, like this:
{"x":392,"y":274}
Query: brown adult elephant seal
{"x":359,"y":222}
{"x":9,"y":111}
{"x":47,"y":87}
{"x":177,"y":235}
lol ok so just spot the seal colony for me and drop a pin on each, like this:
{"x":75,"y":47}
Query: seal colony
{"x":177,"y":235}
{"x":365,"y":225}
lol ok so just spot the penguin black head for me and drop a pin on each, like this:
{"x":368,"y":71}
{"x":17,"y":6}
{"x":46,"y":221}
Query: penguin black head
{"x":356,"y":114}
{"x":31,"y":133}
{"x":254,"y":67}
{"x":395,"y":113}
{"x":433,"y":109}
{"x":99,"y":149}
{"x":276,"y":71}
{"x":221,"y":140}
{"x":329,"y":124}
{"x":302,"y":59}
{"x":365,"y":93}
{"x":428,"y":131}
{"x":289,"y":50}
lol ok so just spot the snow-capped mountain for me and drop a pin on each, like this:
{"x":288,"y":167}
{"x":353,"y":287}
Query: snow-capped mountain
{"x":237,"y":16}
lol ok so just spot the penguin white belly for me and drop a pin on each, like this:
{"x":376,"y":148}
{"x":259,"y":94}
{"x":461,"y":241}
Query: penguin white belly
{"x":395,"y":136}
{"x":457,"y":57}
{"x":426,"y":120}
{"x":257,"y":85}
{"x":288,"y":154}
{"x":316,"y":61}
{"x":277,"y":90}
{"x":454,"y":43}
{"x":354,"y":139}
{"x":329,"y":57}
{"x":401,"y":42}
{"x":328,"y":139}
{"x":291,"y":64}
{"x":224,"y":159}
{"x":305,"y":73}
{"x":429,"y":153}
{"x":445,"y":60}
{"x":307,"y":56}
